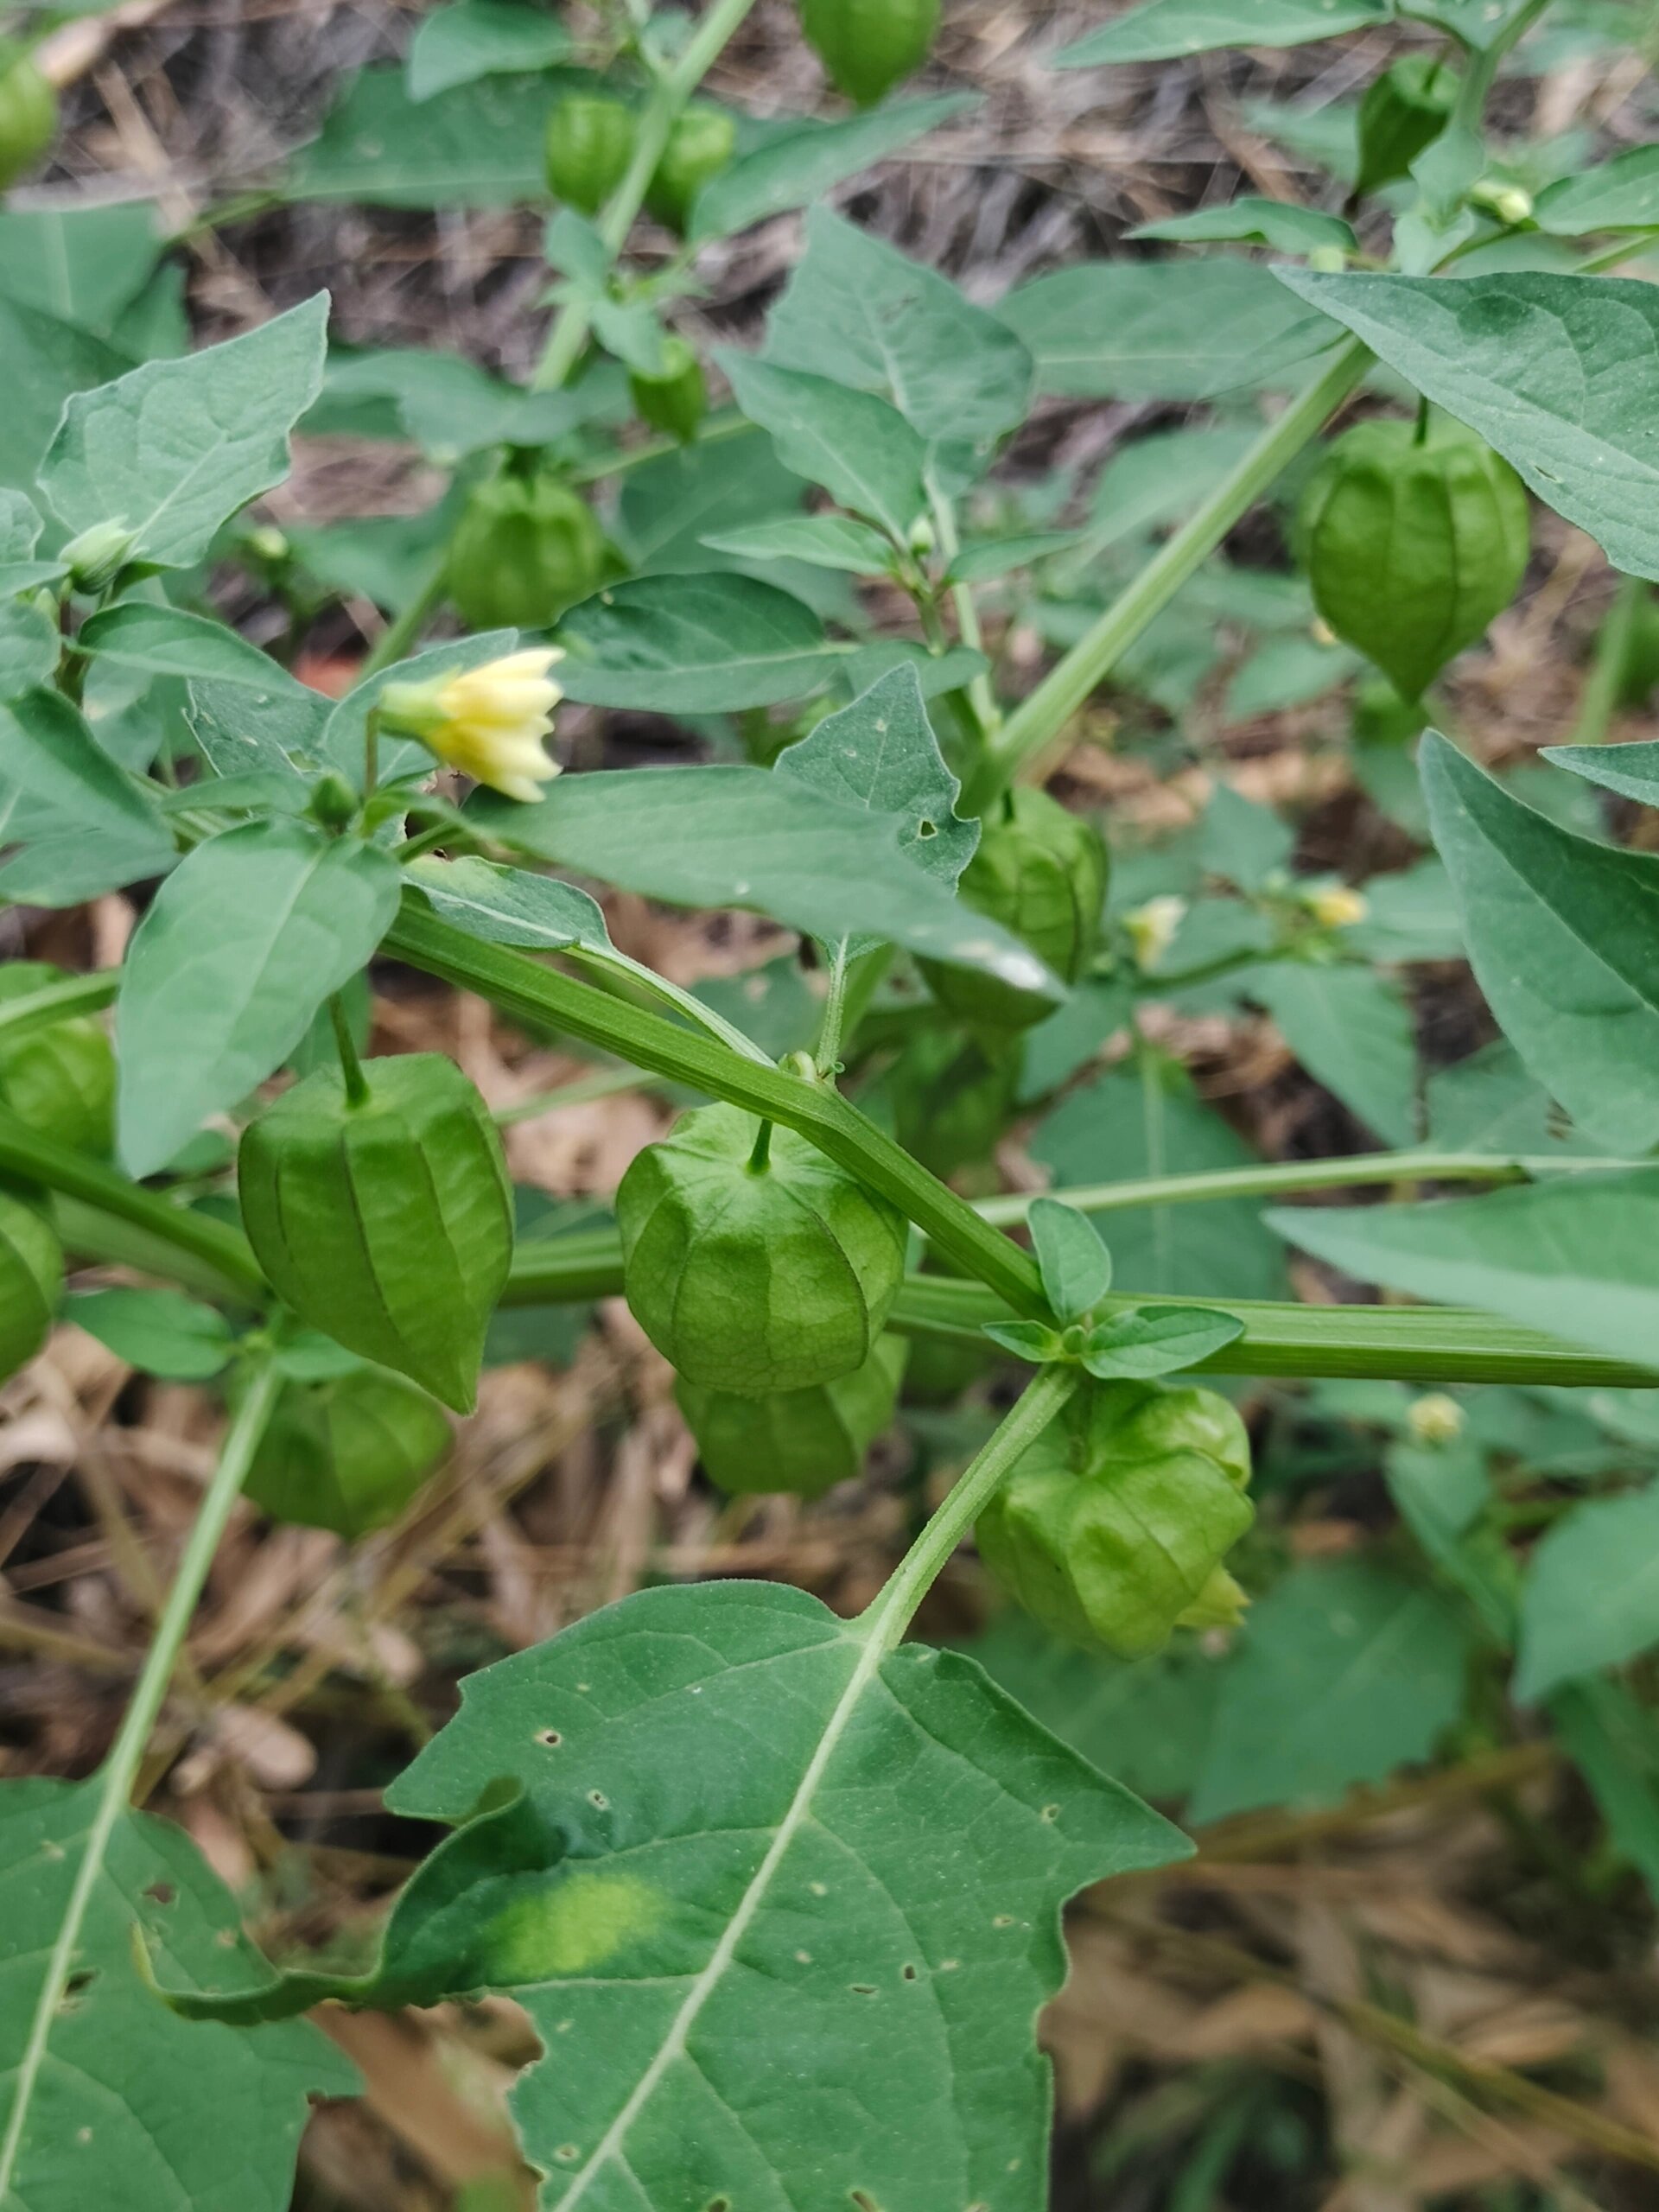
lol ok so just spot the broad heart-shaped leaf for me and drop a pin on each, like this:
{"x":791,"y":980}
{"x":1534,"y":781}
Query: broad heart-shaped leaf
{"x":1577,"y":1258}
{"x":1163,"y":29}
{"x":1283,"y":225}
{"x":1149,"y":1340}
{"x":881,"y":754}
{"x":781,"y":1908}
{"x":168,"y":641}
{"x":1632,"y":770}
{"x":1352,"y":1029}
{"x":1345,"y":1672}
{"x":731,"y":837}
{"x":471,"y":39}
{"x":1591,"y":1599}
{"x":476,"y":145}
{"x":1161,"y":330}
{"x":796,"y":167}
{"x":859,"y":311}
{"x":695,"y":645}
{"x":860,"y":449}
{"x":174,"y":449}
{"x":238,"y":950}
{"x":83,"y":826}
{"x":45,"y":360}
{"x":1075,"y":1265}
{"x":1563,"y":935}
{"x":133,"y":2106}
{"x":1622,"y":195}
{"x":1556,"y":372}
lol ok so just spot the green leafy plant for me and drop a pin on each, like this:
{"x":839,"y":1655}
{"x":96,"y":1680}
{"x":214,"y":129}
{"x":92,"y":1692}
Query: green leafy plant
{"x":780,"y":1892}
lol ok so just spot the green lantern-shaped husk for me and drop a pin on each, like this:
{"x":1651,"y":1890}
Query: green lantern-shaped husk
{"x":755,"y":1275}
{"x":1112,"y":1526}
{"x":31,"y":1279}
{"x":953,"y":1097}
{"x":387,"y":1225}
{"x":1041,"y":872}
{"x":699,"y":146}
{"x":526,"y":549}
{"x":1412,"y":544}
{"x":588,"y":147}
{"x":347,"y":1454}
{"x":1404,"y":112}
{"x":28,"y":113}
{"x":674,"y":400}
{"x":60,"y":1080}
{"x":801,"y":1441}
{"x":869,"y":46}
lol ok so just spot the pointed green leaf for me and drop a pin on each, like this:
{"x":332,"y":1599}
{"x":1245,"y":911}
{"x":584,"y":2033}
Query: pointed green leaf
{"x":238,"y":950}
{"x":174,"y":449}
{"x":798,"y":165}
{"x":168,"y":641}
{"x":508,"y":906}
{"x":695,"y":644}
{"x":46,"y":358}
{"x":126,"y":2104}
{"x":1352,"y":1029}
{"x":1578,"y":1257}
{"x":471,"y":39}
{"x":1622,"y":195}
{"x":28,"y":647}
{"x":1164,"y":29}
{"x":1561,"y":934}
{"x":1150,"y":1340}
{"x":1075,"y":1264}
{"x":1632,"y":770}
{"x":83,"y":825}
{"x":827,"y":541}
{"x":728,"y":1875}
{"x":83,"y":264}
{"x":162,"y":1331}
{"x":860,"y":449}
{"x":1591,"y":1599}
{"x":1031,"y":1340}
{"x":1344,"y":1673}
{"x":1284,"y":225}
{"x":1552,"y":371}
{"x":474,"y":145}
{"x":860,"y":311}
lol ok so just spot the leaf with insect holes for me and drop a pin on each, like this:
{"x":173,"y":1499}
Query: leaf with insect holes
{"x":1142,"y":1341}
{"x":126,"y":2105}
{"x":177,"y":448}
{"x":1072,"y":1257}
{"x":781,"y":1907}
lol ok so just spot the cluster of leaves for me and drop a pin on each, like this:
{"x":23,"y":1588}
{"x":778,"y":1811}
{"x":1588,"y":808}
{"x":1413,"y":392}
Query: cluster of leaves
{"x":712,"y":1838}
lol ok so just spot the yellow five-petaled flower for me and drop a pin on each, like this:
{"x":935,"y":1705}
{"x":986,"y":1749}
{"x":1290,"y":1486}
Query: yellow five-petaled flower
{"x":490,"y":722}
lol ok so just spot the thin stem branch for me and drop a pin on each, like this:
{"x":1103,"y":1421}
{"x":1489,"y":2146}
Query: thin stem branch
{"x":1041,"y":716}
{"x":401,"y":633}
{"x":351,"y":1068}
{"x":21,"y":1017}
{"x":886,"y":1619}
{"x":1601,"y":687}
{"x":569,"y":332}
{"x":115,"y":1777}
{"x":835,"y":1015}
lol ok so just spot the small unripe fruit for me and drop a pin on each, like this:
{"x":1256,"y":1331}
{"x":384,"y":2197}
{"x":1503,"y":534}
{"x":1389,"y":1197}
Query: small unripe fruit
{"x":803,"y":1442}
{"x":753,"y":1277}
{"x":31,"y":1279}
{"x":28,"y":114}
{"x":674,"y":400}
{"x":699,"y":146}
{"x":1413,"y":544}
{"x":59,"y":1080}
{"x":589,"y":144}
{"x":1041,"y":872}
{"x":387,"y":1223}
{"x":347,"y":1454}
{"x":526,"y":549}
{"x":869,"y":46}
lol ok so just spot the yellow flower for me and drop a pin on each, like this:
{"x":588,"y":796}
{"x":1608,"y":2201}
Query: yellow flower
{"x":1336,"y":906}
{"x":490,"y":722}
{"x":1435,"y":1419}
{"x":1152,"y":928}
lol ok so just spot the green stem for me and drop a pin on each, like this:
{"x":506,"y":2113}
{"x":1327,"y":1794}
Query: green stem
{"x":1040,"y":717}
{"x":35,"y":1158}
{"x":609,"y":960}
{"x":1607,"y":669}
{"x":401,"y":634}
{"x":760,"y":1153}
{"x":835,"y":1015}
{"x":371,"y":751}
{"x":980,"y":697}
{"x":95,"y":1238}
{"x":886,"y":1619}
{"x":116,"y":1776}
{"x":351,"y":1068}
{"x":716,"y":431}
{"x":518,"y":985}
{"x":21,"y":1017}
{"x":569,"y":332}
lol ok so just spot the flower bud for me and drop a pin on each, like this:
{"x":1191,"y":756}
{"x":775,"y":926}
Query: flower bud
{"x":1435,"y":1419}
{"x":755,"y":1269}
{"x":1336,"y":905}
{"x":489,"y":722}
{"x":98,"y":555}
{"x":1152,"y":928}
{"x":1510,"y":203}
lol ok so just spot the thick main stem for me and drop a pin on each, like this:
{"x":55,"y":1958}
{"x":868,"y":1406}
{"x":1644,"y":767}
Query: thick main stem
{"x":116,"y":1776}
{"x":570,"y":332}
{"x":888,"y":1618}
{"x":1039,"y":718}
